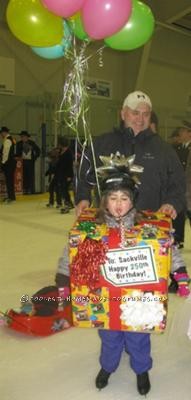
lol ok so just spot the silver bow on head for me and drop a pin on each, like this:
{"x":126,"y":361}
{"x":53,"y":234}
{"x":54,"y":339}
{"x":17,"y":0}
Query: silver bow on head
{"x":116,"y":162}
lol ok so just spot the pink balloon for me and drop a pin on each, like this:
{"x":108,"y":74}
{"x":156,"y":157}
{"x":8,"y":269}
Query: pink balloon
{"x":102,"y":18}
{"x":63,"y":8}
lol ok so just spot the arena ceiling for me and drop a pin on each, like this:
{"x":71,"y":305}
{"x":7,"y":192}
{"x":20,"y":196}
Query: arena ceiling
{"x":174,"y":15}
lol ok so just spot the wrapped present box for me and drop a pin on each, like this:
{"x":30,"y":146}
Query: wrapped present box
{"x":120,"y":284}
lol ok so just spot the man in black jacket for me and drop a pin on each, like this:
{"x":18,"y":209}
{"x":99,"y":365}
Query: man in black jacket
{"x":8,"y":163}
{"x":28,"y":150}
{"x":162,"y":181}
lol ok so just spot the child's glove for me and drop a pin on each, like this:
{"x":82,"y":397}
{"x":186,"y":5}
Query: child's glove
{"x":183,"y":280}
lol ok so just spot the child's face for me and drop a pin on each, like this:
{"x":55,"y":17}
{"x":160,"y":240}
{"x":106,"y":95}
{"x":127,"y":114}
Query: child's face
{"x":118,"y":203}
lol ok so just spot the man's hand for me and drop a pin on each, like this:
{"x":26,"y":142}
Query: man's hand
{"x":169,"y":210}
{"x":81,"y":206}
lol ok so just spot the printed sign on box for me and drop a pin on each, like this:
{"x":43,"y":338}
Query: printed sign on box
{"x":132,"y":266}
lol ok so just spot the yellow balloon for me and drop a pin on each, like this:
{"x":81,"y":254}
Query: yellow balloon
{"x":33,"y":24}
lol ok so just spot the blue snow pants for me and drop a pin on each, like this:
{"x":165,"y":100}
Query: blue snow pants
{"x":136,"y":344}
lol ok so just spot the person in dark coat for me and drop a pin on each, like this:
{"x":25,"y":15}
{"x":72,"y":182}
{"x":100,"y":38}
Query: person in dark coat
{"x":188,"y":187}
{"x":53,"y":157}
{"x":8,"y":163}
{"x":64,"y":173}
{"x":154,"y":122}
{"x":28,"y":150}
{"x":182,"y":148}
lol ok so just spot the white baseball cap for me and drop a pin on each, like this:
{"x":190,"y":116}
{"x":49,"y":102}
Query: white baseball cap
{"x":135,"y":98}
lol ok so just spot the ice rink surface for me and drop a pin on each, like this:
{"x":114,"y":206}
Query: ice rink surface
{"x":64,"y":365}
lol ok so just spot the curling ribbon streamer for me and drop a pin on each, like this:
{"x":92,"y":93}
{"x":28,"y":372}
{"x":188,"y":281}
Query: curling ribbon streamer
{"x":75,"y":103}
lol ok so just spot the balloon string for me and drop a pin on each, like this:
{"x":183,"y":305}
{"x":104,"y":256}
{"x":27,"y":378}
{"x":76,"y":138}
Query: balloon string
{"x":98,"y":51}
{"x":75,"y":98}
{"x":75,"y":103}
{"x":95,"y":167}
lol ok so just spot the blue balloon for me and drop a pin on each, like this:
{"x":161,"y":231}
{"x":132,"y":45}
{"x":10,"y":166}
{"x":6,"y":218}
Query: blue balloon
{"x":57,"y":51}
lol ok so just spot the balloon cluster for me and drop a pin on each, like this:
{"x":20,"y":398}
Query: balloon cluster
{"x":48,"y":25}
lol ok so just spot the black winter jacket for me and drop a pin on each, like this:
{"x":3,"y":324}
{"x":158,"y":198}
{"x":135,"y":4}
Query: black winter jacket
{"x":163,"y":179}
{"x":35,"y":150}
{"x":64,"y":166}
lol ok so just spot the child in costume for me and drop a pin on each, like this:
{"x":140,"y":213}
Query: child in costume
{"x":119,"y":189}
{"x":116,"y":208}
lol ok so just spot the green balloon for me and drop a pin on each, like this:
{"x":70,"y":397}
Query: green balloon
{"x":76,"y":25}
{"x":136,"y":32}
{"x":33,"y":24}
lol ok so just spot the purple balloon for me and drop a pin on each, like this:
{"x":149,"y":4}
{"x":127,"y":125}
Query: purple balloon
{"x":103,"y":18}
{"x":63,"y":8}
